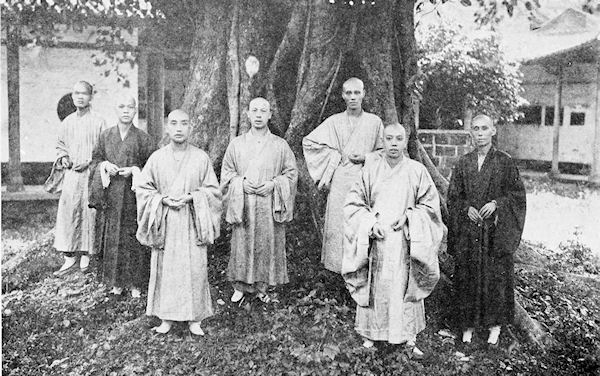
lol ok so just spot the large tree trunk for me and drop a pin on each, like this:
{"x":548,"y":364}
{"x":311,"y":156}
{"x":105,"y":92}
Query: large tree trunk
{"x":303,"y":61}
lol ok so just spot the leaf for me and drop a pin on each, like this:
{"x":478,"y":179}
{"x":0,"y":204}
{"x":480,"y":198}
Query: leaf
{"x":330,"y":350}
{"x":466,"y":3}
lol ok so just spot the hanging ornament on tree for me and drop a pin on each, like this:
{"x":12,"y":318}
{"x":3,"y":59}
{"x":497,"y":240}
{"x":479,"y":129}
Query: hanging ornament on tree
{"x":252,"y":65}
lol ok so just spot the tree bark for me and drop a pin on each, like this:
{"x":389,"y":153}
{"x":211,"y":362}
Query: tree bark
{"x":303,"y":58}
{"x":15,"y":179}
{"x":205,"y":97}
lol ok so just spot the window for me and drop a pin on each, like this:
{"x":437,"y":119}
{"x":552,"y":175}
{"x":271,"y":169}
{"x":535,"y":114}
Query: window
{"x":577,"y":118}
{"x":550,"y":116}
{"x":531,"y":115}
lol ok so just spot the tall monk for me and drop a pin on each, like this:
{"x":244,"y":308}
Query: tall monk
{"x":486,"y":205}
{"x":259,"y":177}
{"x":179,"y":214}
{"x":79,"y":132}
{"x":116,"y":161}
{"x":334,"y":153}
{"x":393,"y":230}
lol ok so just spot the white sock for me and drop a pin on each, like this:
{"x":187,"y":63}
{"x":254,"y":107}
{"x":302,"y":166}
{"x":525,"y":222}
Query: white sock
{"x":468,"y":335}
{"x":84,"y":261}
{"x":494,"y":334}
{"x":69,"y":261}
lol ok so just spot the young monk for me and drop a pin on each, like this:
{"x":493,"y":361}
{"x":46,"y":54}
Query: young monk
{"x":334,"y":153}
{"x":259,"y":177}
{"x":117,"y":158}
{"x":179,"y":213}
{"x":486,"y":203}
{"x":393,"y":230}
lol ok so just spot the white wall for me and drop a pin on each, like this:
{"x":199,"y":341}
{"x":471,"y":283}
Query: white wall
{"x":46,"y":74}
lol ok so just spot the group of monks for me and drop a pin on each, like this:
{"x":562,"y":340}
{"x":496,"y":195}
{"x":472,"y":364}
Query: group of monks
{"x":383,"y":224}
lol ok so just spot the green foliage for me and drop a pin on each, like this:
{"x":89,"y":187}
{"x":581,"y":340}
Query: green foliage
{"x":466,"y":71}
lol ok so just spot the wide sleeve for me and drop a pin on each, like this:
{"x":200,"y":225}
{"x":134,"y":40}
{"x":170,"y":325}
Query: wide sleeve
{"x":320,"y":153}
{"x":511,"y":209}
{"x":151,"y":213}
{"x":232,"y":187}
{"x":358,"y":223}
{"x":284,"y":193}
{"x":207,"y":206}
{"x":425,"y":233}
{"x":458,"y":206}
{"x":95,"y":184}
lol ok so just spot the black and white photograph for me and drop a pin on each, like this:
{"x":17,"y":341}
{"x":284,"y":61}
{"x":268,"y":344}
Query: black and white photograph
{"x":300,"y":187}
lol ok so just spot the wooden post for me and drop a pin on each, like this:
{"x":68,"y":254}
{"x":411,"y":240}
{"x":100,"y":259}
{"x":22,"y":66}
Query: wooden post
{"x":155,"y":83}
{"x":594,"y":177}
{"x":15,"y":179}
{"x":467,"y":118}
{"x":557,"y":121}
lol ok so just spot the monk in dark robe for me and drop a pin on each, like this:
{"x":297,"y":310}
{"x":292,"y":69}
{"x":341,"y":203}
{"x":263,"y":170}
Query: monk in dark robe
{"x":116,"y":162}
{"x":486,"y":203}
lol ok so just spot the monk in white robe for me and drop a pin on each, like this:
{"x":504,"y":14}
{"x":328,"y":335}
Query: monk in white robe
{"x":393,"y":230}
{"x":79,"y":133}
{"x":179,"y":213}
{"x":334,"y":154}
{"x":259,"y":178}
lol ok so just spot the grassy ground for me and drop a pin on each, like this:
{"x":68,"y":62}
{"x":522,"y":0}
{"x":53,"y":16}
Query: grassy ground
{"x":71,"y":326}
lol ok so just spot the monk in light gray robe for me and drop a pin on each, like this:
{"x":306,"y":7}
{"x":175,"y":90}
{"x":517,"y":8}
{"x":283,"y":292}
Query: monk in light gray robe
{"x":259,"y":178}
{"x":393,"y":230}
{"x":79,"y":132}
{"x":334,"y":154}
{"x":179,"y":213}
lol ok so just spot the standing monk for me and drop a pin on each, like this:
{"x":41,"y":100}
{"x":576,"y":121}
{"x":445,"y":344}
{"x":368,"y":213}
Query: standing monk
{"x":393,"y":230}
{"x":259,"y":175}
{"x":78,"y":134}
{"x":179,"y":214}
{"x":334,"y":154}
{"x":486,"y":203}
{"x":117,"y":159}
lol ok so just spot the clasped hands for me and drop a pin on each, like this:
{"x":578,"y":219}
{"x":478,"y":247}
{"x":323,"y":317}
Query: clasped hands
{"x":485,"y":212}
{"x":177,"y":202}
{"x":113,"y":170}
{"x":379,"y":233}
{"x":263,"y":189}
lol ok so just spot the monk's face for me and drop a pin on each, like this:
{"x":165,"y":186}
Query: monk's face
{"x":353,"y":94}
{"x":81,"y":96}
{"x":126,"y":109}
{"x":259,"y":113}
{"x":179,"y":126}
{"x":482,"y":131}
{"x":394,"y":141}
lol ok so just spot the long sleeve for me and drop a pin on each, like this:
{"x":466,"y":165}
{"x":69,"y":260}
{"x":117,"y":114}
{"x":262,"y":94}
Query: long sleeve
{"x":358,"y":223}
{"x":511,"y":208}
{"x":457,"y":206}
{"x":232,"y":187}
{"x":284,"y":193}
{"x":320,"y":153}
{"x":206,"y":207}
{"x":425,"y":232}
{"x":151,"y":214}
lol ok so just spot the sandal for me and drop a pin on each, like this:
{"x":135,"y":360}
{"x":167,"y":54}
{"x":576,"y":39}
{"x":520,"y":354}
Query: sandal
{"x":265,"y":298}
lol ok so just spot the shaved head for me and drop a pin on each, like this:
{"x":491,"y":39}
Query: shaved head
{"x":126,"y":108}
{"x":353,"y":81}
{"x":178,"y":114}
{"x":126,"y":99}
{"x":259,"y":101}
{"x":483,"y":119}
